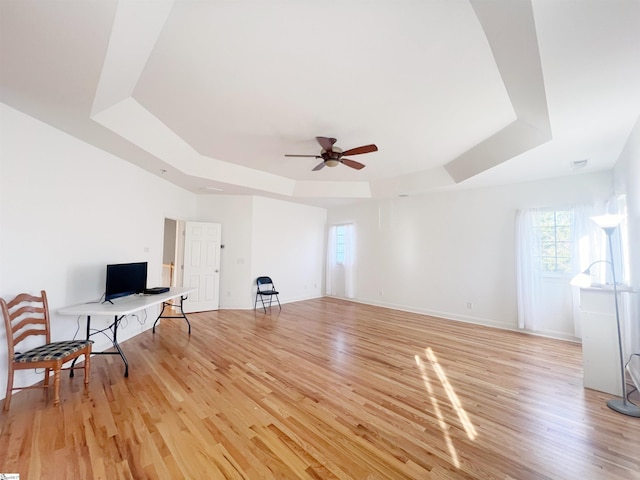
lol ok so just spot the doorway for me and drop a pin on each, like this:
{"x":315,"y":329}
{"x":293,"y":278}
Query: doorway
{"x":170,"y":260}
{"x":191,"y":258}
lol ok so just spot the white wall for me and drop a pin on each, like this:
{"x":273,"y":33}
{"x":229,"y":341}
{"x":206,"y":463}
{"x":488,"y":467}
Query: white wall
{"x":235,"y":214}
{"x":436,"y":253}
{"x":66,"y":210}
{"x":288,"y":245}
{"x":627,"y":180}
{"x":263,"y":236}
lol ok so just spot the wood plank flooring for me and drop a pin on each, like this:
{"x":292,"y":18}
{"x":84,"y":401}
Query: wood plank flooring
{"x":325,"y":389}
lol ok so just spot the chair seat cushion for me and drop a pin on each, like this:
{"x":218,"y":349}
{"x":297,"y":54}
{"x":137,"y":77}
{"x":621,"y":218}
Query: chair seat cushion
{"x":51,"y":351}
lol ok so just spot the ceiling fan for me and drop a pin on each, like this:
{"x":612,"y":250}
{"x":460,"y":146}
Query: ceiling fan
{"x":332,"y":156}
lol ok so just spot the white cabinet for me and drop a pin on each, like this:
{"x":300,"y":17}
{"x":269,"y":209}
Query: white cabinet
{"x":600,"y":354}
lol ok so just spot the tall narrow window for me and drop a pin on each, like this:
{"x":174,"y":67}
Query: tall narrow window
{"x":340,"y":279}
{"x":555,"y":227}
{"x":340,"y":231}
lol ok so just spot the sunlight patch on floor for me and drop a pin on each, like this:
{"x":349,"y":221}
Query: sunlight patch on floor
{"x":466,"y":423}
{"x":436,"y":408}
{"x":453,"y":397}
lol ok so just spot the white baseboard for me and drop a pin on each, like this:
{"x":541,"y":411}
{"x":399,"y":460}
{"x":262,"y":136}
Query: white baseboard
{"x":467,"y":319}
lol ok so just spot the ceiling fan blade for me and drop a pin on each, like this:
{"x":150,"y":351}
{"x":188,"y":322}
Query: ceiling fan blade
{"x":352,"y":163}
{"x":320,"y":166}
{"x":314,"y":156}
{"x":359,"y":150}
{"x":326,"y":143}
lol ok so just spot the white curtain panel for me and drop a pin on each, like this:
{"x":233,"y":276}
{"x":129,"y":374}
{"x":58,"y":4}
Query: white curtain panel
{"x":331,"y":260}
{"x":528,"y":269}
{"x":349,"y":260}
{"x":628,"y":304}
{"x":588,"y":246}
{"x":589,"y":241}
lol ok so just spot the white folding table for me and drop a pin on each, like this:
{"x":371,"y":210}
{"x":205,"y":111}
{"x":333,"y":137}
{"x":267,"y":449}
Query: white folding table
{"x":122,"y":307}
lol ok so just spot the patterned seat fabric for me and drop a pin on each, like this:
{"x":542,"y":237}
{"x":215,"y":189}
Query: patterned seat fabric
{"x":51,"y":351}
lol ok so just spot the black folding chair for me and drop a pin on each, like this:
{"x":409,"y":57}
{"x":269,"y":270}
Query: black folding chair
{"x":267,"y":289}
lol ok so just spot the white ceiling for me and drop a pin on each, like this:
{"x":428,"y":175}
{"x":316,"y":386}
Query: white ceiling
{"x":454,"y":93}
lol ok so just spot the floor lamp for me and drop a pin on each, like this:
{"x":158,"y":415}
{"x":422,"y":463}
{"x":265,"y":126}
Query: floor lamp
{"x":609,"y":223}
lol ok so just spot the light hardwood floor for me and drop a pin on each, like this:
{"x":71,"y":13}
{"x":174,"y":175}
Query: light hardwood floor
{"x":325,"y":389}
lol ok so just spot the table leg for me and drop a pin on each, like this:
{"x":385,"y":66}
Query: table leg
{"x":182,"y":314}
{"x":164,"y":305}
{"x":117,"y":345}
{"x":182,"y":299}
{"x":114,"y":341}
{"x":73,"y":364}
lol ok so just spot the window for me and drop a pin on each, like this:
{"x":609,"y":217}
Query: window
{"x":340,"y":273}
{"x":340,"y":230}
{"x":555,"y":227}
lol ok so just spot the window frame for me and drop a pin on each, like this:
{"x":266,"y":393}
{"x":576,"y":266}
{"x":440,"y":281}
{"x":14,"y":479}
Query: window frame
{"x":561,"y":244}
{"x":339,"y":244}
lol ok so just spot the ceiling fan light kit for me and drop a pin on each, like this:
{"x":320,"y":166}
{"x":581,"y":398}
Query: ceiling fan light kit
{"x":331,"y":162}
{"x":331,"y":156}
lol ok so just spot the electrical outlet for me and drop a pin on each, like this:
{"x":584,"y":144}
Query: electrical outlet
{"x":469,"y":305}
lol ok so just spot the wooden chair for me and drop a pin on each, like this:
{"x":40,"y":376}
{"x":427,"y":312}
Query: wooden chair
{"x":25,"y":317}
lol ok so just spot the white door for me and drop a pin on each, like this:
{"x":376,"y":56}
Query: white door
{"x":202,"y":265}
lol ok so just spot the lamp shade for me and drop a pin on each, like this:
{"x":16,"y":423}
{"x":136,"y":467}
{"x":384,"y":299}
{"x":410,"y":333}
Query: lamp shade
{"x":582,"y":280}
{"x":608,"y":221}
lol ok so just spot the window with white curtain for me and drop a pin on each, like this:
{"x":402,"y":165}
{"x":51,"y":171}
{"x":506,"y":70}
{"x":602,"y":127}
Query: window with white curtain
{"x":563,"y":241}
{"x":340,"y":278}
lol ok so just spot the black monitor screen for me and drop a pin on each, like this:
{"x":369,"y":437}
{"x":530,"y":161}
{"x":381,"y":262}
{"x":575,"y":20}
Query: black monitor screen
{"x":125,"y":279}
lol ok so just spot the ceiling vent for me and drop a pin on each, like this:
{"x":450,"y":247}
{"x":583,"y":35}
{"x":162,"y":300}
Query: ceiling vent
{"x":578,"y":164}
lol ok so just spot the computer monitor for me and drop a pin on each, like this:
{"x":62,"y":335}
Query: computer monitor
{"x":125,"y":279}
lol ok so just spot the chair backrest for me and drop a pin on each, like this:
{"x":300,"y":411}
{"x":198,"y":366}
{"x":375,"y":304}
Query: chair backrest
{"x":265,"y":284}
{"x":25,"y":316}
